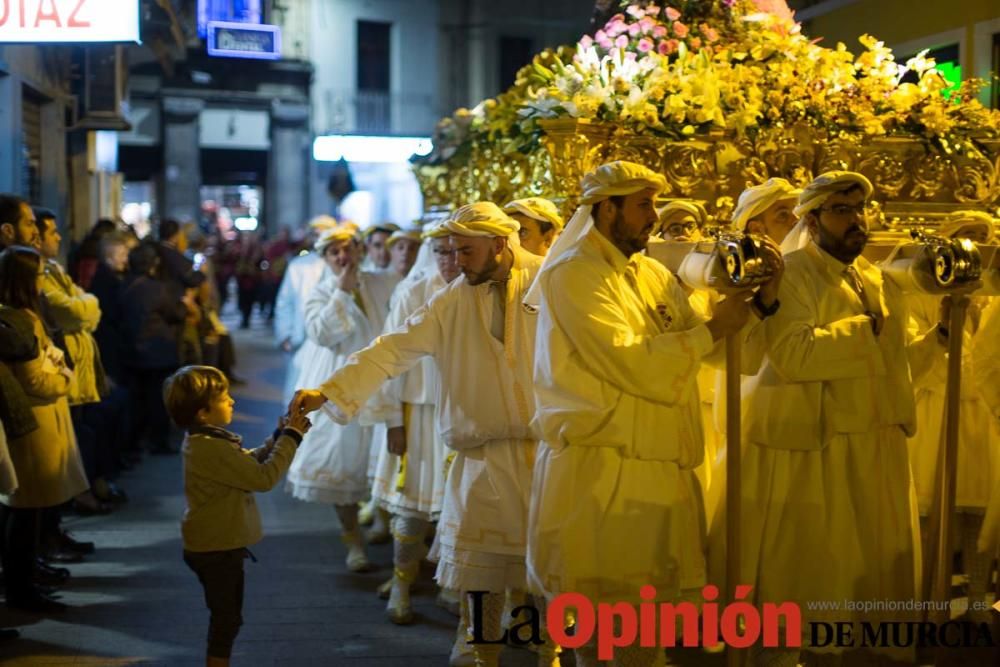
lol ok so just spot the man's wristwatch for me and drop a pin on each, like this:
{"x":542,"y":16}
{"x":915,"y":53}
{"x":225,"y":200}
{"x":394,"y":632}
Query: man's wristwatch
{"x":763,"y":312}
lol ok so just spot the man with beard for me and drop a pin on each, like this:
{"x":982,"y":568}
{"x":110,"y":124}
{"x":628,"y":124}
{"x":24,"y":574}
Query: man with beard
{"x":826,"y":426}
{"x":483,"y":341}
{"x":615,"y":503}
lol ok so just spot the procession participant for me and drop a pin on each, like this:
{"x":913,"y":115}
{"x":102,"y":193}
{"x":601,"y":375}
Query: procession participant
{"x":300,"y":277}
{"x":410,"y":464}
{"x":767,"y":209}
{"x":826,"y":424}
{"x":682,"y":220}
{"x":482,"y":341}
{"x":403,"y":247}
{"x":986,"y":376}
{"x":344,"y":312}
{"x":540,"y":223}
{"x":376,"y":253}
{"x":977,"y":442}
{"x":615,"y":505}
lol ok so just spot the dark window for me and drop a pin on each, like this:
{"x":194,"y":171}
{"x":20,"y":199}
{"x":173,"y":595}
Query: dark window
{"x":995,"y":97}
{"x":373,"y":56}
{"x":515,"y":53}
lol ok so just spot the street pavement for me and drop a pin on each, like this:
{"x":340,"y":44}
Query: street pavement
{"x":135,"y":602}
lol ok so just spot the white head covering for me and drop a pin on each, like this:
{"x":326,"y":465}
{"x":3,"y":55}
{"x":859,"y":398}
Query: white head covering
{"x":411,"y":233}
{"x":609,"y":180}
{"x":688,"y":206}
{"x":390,"y":227}
{"x":481,"y":219}
{"x":960,"y":220}
{"x":342,"y":231}
{"x":757,"y":199}
{"x":536,"y":208}
{"x":813,"y":196}
{"x":321,"y":223}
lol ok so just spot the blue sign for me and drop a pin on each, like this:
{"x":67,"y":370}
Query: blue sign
{"x":234,"y":11}
{"x":244,"y":40}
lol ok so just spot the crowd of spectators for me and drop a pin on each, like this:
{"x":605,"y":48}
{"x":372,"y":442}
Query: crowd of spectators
{"x":85,"y":345}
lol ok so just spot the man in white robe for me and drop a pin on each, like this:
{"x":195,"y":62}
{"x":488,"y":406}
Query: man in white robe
{"x":375,"y":237}
{"x":300,"y":277}
{"x":978,"y":446}
{"x":345,"y":311}
{"x":767,"y":209}
{"x":482,"y":340}
{"x":540,"y":223}
{"x":615,"y":503}
{"x":409,"y":473}
{"x":826,"y":485}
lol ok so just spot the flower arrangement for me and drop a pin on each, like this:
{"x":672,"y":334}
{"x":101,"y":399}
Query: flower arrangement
{"x":693,"y":67}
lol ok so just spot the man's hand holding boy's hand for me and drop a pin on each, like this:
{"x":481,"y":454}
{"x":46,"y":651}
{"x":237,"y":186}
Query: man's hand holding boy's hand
{"x":299,"y":421}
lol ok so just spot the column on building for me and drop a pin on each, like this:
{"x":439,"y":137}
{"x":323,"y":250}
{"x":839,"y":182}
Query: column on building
{"x":288,"y":166}
{"x":180,"y":184}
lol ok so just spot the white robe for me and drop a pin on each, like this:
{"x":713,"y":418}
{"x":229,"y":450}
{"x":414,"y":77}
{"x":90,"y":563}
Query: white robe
{"x":828,"y":506}
{"x":331,"y":465}
{"x":986,"y":378}
{"x":408,"y":400}
{"x":977,"y":451}
{"x":615,"y":502}
{"x":484,"y":412}
{"x":300,"y":278}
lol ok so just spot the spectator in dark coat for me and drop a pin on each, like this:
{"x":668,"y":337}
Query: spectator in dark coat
{"x":152,"y":314}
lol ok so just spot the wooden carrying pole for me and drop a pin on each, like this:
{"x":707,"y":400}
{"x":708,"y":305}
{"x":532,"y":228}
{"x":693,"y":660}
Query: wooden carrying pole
{"x":942,"y":527}
{"x":733,"y":478}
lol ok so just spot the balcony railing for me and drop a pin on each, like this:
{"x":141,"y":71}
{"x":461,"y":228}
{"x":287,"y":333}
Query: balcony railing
{"x":375,"y":113}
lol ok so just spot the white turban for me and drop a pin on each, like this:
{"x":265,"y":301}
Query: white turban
{"x":613,"y":179}
{"x":389,"y":227}
{"x":342,"y":231}
{"x":827,"y":184}
{"x":686,"y":206}
{"x":411,"y":233}
{"x":619,"y":178}
{"x":481,"y":219}
{"x":757,"y":199}
{"x":436,"y":230}
{"x":814,"y":195}
{"x":537,"y":208}
{"x":960,"y":220}
{"x":321,"y":223}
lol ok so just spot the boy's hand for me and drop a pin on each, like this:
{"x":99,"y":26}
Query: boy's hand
{"x":282,"y":421}
{"x":300,"y":422}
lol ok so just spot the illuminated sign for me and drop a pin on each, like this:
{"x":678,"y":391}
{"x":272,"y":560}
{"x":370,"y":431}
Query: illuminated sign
{"x":46,"y":21}
{"x":228,"y":11}
{"x":354,"y":148}
{"x":244,"y":40}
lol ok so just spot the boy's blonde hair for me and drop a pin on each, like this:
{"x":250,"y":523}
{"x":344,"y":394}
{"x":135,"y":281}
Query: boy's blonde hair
{"x":189,"y":390}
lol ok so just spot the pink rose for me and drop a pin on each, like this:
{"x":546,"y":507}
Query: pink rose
{"x":660,"y":31}
{"x":668,"y":46}
{"x":605,"y":43}
{"x":672,"y":14}
{"x":652,"y":10}
{"x":681,"y":30}
{"x":695,"y":43}
{"x":615,"y":28}
{"x":636,"y":11}
{"x":630,"y":56}
{"x":644,"y":45}
{"x":633,"y":29}
{"x":586,"y":41}
{"x":621,"y":41}
{"x":711,"y":34}
{"x":646,"y":24}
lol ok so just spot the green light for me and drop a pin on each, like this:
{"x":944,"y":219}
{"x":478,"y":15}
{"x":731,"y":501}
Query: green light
{"x":952,"y":73}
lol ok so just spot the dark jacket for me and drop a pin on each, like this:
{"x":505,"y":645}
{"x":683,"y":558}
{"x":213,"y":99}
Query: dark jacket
{"x":151,"y":315}
{"x":17,"y":344}
{"x":108,"y":287}
{"x":178,"y":270}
